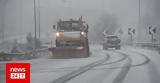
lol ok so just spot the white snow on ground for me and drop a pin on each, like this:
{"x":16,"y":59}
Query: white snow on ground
{"x":45,"y":70}
{"x":148,"y":73}
{"x":101,"y":74}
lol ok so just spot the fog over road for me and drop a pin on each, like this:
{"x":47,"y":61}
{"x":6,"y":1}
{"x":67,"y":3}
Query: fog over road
{"x":134,"y":21}
{"x":128,"y":65}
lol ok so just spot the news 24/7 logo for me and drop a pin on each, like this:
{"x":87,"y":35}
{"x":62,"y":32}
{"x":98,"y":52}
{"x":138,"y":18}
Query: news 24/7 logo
{"x":17,"y":73}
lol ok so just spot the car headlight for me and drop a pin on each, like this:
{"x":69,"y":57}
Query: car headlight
{"x":57,"y":34}
{"x":82,"y":33}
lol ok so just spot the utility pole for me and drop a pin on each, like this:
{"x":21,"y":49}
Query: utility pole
{"x":2,"y":28}
{"x":103,"y":8}
{"x":35,"y":19}
{"x":39,"y":19}
{"x":35,"y":23}
{"x":139,"y":20}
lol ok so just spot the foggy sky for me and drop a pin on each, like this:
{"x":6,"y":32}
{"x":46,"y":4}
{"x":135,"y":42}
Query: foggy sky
{"x":16,"y":16}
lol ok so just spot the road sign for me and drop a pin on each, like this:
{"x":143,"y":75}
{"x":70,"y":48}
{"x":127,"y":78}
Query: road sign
{"x":152,"y":30}
{"x":131,"y":31}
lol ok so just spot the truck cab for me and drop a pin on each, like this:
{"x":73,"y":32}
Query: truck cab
{"x":71,"y":33}
{"x":71,"y":39}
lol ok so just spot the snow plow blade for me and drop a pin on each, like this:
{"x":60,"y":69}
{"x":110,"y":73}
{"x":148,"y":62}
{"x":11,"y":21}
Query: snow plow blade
{"x":68,"y":52}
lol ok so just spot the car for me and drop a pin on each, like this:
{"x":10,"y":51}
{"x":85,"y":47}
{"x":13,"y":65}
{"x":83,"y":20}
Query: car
{"x":111,"y":41}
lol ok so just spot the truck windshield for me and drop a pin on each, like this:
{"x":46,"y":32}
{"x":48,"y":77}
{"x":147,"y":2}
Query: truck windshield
{"x":70,"y":26}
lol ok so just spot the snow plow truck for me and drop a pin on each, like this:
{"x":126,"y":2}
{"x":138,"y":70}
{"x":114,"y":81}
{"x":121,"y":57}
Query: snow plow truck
{"x":71,"y":39}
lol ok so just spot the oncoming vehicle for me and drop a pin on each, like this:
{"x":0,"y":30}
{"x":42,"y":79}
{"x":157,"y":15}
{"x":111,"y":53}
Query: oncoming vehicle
{"x":111,"y":41}
{"x":71,"y":39}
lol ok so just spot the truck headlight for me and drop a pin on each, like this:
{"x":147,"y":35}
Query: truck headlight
{"x":57,"y":34}
{"x":82,"y":33}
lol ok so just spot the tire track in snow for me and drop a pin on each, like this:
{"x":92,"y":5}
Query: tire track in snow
{"x":75,"y":67}
{"x":146,"y":60}
{"x":81,"y":70}
{"x":124,"y":71}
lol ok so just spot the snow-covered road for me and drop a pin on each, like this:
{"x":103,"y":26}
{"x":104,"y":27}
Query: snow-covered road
{"x":128,"y":65}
